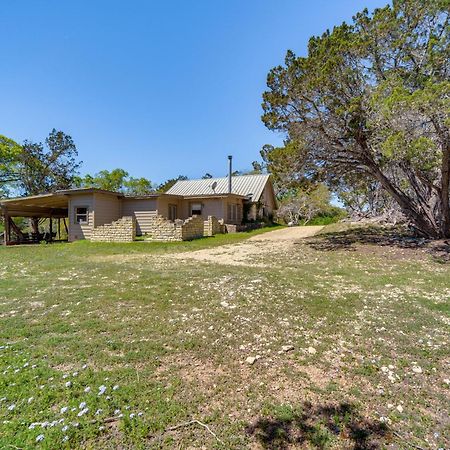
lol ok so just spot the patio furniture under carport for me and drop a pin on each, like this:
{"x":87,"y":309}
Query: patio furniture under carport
{"x":45,"y":206}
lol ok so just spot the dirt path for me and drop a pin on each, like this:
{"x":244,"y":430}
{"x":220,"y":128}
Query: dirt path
{"x":252,"y":251}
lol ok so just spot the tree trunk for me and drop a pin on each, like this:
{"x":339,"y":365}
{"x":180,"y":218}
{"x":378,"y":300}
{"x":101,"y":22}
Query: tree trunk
{"x":34,"y":221}
{"x":406,"y":205}
{"x":445,"y":200}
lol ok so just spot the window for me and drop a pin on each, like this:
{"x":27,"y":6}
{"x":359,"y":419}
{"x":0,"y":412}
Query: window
{"x":172,"y":212}
{"x":196,"y":209}
{"x":81,"y":214}
{"x":232,"y":212}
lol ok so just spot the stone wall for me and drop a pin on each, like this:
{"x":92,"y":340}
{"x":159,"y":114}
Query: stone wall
{"x":192,"y":228}
{"x":162,"y":229}
{"x":121,"y":230}
{"x":213,"y":226}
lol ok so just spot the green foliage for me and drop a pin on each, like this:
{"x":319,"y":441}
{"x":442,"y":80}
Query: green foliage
{"x":371,"y":100}
{"x":117,"y":180}
{"x":47,"y":167}
{"x":9,"y":151}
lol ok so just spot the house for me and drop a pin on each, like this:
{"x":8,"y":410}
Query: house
{"x":190,"y":209}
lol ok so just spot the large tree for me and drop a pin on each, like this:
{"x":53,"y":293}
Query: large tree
{"x":42,"y":168}
{"x":371,"y":99}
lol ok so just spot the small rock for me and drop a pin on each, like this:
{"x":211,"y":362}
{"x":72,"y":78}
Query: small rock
{"x":417,"y":369}
{"x":250,"y":360}
{"x":312,"y":350}
{"x":400,"y":408}
{"x":287,"y":348}
{"x":447,"y":381}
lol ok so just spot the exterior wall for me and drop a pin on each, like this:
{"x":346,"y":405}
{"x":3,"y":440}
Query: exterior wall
{"x":143,"y":210}
{"x":240,"y":208}
{"x":77,"y":230}
{"x":266,"y":207}
{"x":107,"y":208}
{"x":121,"y":230}
{"x":267,"y":198}
{"x":163,"y":207}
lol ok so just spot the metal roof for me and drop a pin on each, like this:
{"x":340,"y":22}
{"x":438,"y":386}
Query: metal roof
{"x":246,"y":185}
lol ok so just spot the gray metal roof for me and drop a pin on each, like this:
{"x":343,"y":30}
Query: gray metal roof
{"x":242,"y":185}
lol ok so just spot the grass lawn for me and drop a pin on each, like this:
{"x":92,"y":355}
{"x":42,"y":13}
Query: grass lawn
{"x":122,"y":345}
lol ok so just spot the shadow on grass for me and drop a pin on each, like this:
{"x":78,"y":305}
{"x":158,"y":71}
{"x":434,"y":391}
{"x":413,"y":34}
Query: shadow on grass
{"x":369,"y":235}
{"x":392,"y":237}
{"x":319,"y":426}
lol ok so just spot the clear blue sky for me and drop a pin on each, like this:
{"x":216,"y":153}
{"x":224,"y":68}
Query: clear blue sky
{"x":159,"y":88}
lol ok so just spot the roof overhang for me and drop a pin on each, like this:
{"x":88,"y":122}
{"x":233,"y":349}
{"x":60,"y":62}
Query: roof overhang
{"x":46,"y":205}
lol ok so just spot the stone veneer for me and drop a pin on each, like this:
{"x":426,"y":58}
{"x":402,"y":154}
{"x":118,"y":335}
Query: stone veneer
{"x":122,"y":230}
{"x":213,"y":226}
{"x":162,"y":229}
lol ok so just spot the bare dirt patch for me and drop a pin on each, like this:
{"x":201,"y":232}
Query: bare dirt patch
{"x":246,"y":253}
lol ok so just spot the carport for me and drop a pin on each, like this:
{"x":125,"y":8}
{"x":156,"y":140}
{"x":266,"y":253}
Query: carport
{"x":45,"y":206}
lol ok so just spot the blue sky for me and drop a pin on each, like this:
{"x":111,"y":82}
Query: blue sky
{"x":159,"y":88}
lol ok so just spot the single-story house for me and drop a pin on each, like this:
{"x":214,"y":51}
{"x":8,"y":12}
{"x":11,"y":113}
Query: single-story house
{"x":93,"y":213}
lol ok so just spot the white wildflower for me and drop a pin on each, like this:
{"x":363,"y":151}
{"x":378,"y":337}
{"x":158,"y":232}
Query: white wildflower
{"x":82,"y":405}
{"x":65,"y":428}
{"x":83,"y":412}
{"x":98,"y":412}
{"x":75,"y":374}
{"x":65,"y":376}
{"x":88,"y":389}
{"x":101,"y":390}
{"x":40,"y":438}
{"x":11,"y":407}
{"x":64,"y":409}
{"x":33,"y":425}
{"x":68,"y":383}
{"x":116,"y":387}
{"x":117,"y":411}
{"x":132,"y":415}
{"x":30,"y":399}
{"x":84,"y":366}
{"x":65,"y":438}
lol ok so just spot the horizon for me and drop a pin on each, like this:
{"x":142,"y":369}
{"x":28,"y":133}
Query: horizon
{"x":135,"y":85}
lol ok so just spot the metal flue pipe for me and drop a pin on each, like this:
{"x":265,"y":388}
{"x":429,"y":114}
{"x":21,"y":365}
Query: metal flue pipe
{"x":230,"y":172}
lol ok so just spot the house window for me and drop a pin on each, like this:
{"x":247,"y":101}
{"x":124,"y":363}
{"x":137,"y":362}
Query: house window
{"x":81,"y":214}
{"x":196,"y":209}
{"x":232,"y":212}
{"x":172,"y":212}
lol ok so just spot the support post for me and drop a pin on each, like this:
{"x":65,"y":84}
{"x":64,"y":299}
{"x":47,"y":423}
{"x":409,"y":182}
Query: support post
{"x":7,"y":233}
{"x":59,"y":228}
{"x":50,"y":229}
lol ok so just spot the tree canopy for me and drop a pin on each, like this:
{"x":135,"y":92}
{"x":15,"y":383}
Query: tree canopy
{"x":38,"y":168}
{"x":371,"y":100}
{"x":117,"y":180}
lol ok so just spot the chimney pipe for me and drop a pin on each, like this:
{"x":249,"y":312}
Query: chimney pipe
{"x":230,"y":172}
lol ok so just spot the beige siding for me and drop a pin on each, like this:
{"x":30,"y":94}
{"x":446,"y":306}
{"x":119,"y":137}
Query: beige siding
{"x":77,"y":230}
{"x":143,"y":210}
{"x":210,"y":207}
{"x":267,"y":198}
{"x":107,"y":209}
{"x":163,"y":207}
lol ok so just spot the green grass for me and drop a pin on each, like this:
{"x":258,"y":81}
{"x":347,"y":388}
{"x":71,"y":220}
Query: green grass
{"x":173,"y":336}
